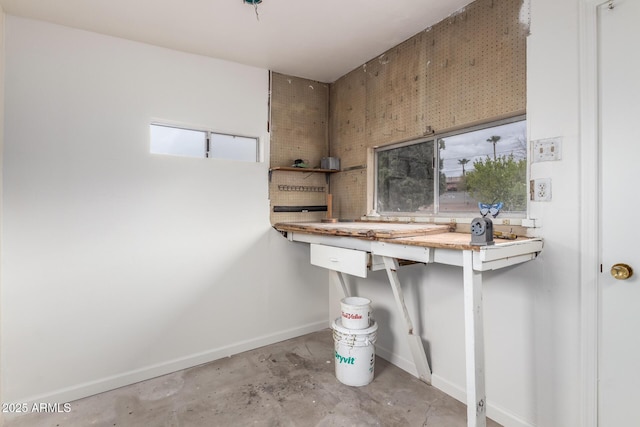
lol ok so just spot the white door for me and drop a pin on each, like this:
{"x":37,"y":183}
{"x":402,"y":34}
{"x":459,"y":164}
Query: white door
{"x":619,"y":74}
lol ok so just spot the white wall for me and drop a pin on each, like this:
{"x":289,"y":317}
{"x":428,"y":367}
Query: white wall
{"x":532,"y":310}
{"x":1,"y":174}
{"x":119,"y":265}
{"x":553,"y":110}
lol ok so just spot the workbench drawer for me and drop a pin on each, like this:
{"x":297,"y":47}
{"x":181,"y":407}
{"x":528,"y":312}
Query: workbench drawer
{"x":348,"y":261}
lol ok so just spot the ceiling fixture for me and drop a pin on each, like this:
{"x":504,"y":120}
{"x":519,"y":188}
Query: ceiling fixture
{"x":255,"y":4}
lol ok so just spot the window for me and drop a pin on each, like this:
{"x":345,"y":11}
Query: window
{"x":233,"y":147}
{"x":453,"y":172}
{"x":199,"y":143}
{"x":179,"y":142}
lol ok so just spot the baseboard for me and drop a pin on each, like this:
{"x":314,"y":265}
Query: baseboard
{"x":116,"y":381}
{"x":495,"y":412}
{"x":402,"y":363}
{"x":80,"y":391}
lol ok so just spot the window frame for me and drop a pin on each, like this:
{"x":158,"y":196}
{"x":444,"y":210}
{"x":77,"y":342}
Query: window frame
{"x":436,"y":215}
{"x":208,"y":137}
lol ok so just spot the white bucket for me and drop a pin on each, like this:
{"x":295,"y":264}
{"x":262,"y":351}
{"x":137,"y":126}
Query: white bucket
{"x":355,"y":312}
{"x":355,"y":354}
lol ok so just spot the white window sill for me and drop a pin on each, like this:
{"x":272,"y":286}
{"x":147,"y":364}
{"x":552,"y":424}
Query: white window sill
{"x":518,"y":221}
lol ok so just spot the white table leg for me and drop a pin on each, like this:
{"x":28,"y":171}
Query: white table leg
{"x":337,"y":278}
{"x":474,"y":343}
{"x":415,"y":342}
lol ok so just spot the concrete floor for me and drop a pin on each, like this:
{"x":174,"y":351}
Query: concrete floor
{"x":291,"y":383}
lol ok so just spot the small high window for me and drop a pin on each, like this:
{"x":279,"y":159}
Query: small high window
{"x":177,"y":141}
{"x":452,"y":173}
{"x":202,"y":143}
{"x":233,"y":147}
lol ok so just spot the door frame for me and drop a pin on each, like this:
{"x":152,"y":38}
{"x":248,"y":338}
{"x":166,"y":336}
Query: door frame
{"x":590,"y":217}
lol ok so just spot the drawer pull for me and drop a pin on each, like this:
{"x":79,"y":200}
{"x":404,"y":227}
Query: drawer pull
{"x":333,"y":259}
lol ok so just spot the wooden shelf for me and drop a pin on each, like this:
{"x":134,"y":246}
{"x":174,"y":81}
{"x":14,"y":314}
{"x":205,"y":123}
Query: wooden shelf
{"x":311,"y":170}
{"x":307,"y":170}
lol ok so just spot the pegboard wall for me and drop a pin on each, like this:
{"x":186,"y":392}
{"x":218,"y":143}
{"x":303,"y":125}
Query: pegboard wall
{"x":395,"y":93}
{"x":476,"y":64}
{"x":349,"y":193}
{"x":467,"y":69}
{"x":299,"y":120}
{"x":297,"y":189}
{"x":347,"y":119}
{"x":299,"y":130}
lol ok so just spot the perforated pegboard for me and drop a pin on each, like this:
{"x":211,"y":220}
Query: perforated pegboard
{"x":299,"y":120}
{"x":347,"y":119}
{"x":476,"y":64}
{"x":349,"y":194}
{"x":297,"y":189}
{"x":299,"y":130}
{"x":395,"y":88}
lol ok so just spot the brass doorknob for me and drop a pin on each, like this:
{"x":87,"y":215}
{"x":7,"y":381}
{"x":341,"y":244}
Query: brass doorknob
{"x":621,"y":271}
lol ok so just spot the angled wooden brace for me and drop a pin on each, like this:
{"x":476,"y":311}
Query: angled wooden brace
{"x":337,"y":277}
{"x":415,"y":342}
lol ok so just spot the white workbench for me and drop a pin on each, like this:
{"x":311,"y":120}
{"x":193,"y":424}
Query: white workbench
{"x":355,"y":248}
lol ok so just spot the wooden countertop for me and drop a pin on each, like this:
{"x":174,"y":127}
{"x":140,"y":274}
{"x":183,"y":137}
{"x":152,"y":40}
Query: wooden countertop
{"x":411,"y":234}
{"x":363,"y":229}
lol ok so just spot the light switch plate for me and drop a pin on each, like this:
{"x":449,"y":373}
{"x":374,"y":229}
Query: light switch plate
{"x":544,"y":150}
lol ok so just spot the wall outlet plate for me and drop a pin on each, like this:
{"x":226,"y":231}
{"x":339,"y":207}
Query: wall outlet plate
{"x":544,"y":150}
{"x":540,"y":189}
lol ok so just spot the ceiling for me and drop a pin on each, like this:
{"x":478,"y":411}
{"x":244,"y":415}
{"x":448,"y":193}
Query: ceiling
{"x":319,"y":40}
